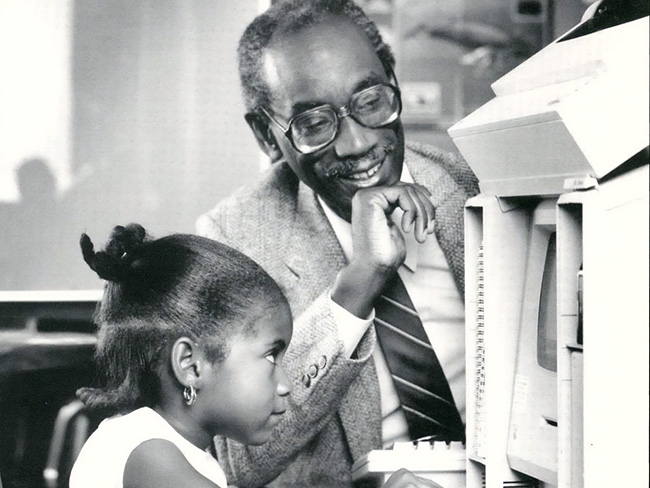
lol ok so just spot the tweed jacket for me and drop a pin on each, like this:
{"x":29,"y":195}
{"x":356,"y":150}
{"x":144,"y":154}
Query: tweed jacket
{"x":334,"y":412}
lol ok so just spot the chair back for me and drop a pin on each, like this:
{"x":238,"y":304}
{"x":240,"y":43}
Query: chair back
{"x":72,"y":427}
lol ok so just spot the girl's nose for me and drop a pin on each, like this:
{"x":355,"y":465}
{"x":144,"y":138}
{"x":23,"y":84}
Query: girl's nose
{"x":283,"y":387}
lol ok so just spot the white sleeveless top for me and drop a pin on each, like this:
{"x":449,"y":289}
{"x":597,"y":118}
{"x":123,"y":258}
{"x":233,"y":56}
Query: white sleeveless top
{"x":103,"y":457}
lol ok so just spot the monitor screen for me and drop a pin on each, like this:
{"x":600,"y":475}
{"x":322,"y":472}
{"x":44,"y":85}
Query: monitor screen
{"x":546,"y":319}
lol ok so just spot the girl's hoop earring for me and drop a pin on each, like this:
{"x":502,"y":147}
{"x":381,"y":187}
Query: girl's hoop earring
{"x":189,"y":394}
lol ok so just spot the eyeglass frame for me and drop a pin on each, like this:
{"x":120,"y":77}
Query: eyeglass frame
{"x":339,"y":113}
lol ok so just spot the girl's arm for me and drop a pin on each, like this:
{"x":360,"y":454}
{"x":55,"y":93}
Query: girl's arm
{"x":158,"y":463}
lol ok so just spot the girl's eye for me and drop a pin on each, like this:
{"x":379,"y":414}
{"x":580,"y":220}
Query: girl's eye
{"x":272,"y":358}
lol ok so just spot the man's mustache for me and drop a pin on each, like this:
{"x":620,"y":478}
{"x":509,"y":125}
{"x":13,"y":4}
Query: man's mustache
{"x":344,"y":167}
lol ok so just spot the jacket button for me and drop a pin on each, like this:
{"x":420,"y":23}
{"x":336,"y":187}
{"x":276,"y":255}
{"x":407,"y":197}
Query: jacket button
{"x":306,"y":380}
{"x":313,"y":371}
{"x":322,"y":362}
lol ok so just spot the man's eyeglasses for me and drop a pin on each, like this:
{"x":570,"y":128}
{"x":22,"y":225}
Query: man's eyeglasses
{"x":314,"y":129}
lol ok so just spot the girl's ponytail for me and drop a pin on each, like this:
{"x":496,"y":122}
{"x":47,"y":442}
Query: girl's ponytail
{"x":113,"y":263}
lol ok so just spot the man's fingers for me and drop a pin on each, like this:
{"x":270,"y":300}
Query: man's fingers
{"x":378,"y":203}
{"x":425,"y":195}
{"x":426,"y":212}
{"x":418,"y":211}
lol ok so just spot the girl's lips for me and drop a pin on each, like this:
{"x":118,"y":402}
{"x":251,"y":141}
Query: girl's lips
{"x":275,"y":418}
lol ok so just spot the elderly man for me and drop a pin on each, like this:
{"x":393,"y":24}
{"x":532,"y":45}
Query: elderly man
{"x":363,"y":232}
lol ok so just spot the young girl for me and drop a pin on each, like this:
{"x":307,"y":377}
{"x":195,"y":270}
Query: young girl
{"x":191,"y":339}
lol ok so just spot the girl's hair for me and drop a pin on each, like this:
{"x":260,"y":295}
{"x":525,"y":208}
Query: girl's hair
{"x":157,"y":291}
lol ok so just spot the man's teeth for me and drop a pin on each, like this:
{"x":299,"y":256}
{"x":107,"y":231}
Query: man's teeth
{"x":365,"y":174}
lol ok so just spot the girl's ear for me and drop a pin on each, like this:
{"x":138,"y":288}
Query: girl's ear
{"x":186,"y":358}
{"x":264,"y":136}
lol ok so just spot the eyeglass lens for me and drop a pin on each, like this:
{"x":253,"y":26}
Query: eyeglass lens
{"x":372,"y":107}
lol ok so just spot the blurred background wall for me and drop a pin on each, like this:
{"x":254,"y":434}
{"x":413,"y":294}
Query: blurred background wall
{"x":113,"y":111}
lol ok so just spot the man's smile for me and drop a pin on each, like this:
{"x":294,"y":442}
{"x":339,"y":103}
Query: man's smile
{"x":363,"y":175}
{"x":364,"y":171}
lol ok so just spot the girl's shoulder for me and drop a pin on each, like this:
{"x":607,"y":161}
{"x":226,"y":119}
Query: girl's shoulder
{"x":167,"y":459}
{"x":104,"y":457}
{"x":159,"y":463}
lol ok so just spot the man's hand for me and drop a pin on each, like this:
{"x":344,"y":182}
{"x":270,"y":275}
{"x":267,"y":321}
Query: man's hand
{"x":377,"y":241}
{"x":378,"y":245}
{"x":403,"y":478}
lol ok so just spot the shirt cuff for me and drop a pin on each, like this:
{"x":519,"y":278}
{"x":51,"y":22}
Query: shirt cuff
{"x":350,"y":327}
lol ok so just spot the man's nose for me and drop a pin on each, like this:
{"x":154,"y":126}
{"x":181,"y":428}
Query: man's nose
{"x":353,"y":138}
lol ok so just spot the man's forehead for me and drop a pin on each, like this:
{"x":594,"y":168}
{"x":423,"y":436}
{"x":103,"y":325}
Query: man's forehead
{"x":333,"y":57}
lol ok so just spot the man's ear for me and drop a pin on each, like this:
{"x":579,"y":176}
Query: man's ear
{"x":264,"y":135}
{"x":186,"y":359}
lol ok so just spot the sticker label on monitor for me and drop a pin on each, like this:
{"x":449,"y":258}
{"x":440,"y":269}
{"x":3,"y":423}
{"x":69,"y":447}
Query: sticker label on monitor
{"x":520,"y":394}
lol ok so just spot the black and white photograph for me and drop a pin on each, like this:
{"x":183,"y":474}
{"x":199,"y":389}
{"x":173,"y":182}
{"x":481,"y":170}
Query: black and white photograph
{"x":324,"y":243}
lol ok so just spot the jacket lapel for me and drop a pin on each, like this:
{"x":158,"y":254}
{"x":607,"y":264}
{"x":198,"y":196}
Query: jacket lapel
{"x":448,"y":198}
{"x":314,"y":255}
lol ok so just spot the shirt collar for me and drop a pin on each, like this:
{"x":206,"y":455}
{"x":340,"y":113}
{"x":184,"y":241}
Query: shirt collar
{"x":343,"y":229}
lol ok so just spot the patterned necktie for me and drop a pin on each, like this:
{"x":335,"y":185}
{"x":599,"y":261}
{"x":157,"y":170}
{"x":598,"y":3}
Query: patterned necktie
{"x":420,"y":382}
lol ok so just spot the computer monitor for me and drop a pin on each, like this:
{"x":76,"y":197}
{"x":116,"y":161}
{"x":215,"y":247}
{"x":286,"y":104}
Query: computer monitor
{"x":533,"y":435}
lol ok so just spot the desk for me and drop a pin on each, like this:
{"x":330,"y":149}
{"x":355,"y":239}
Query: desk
{"x":25,"y":351}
